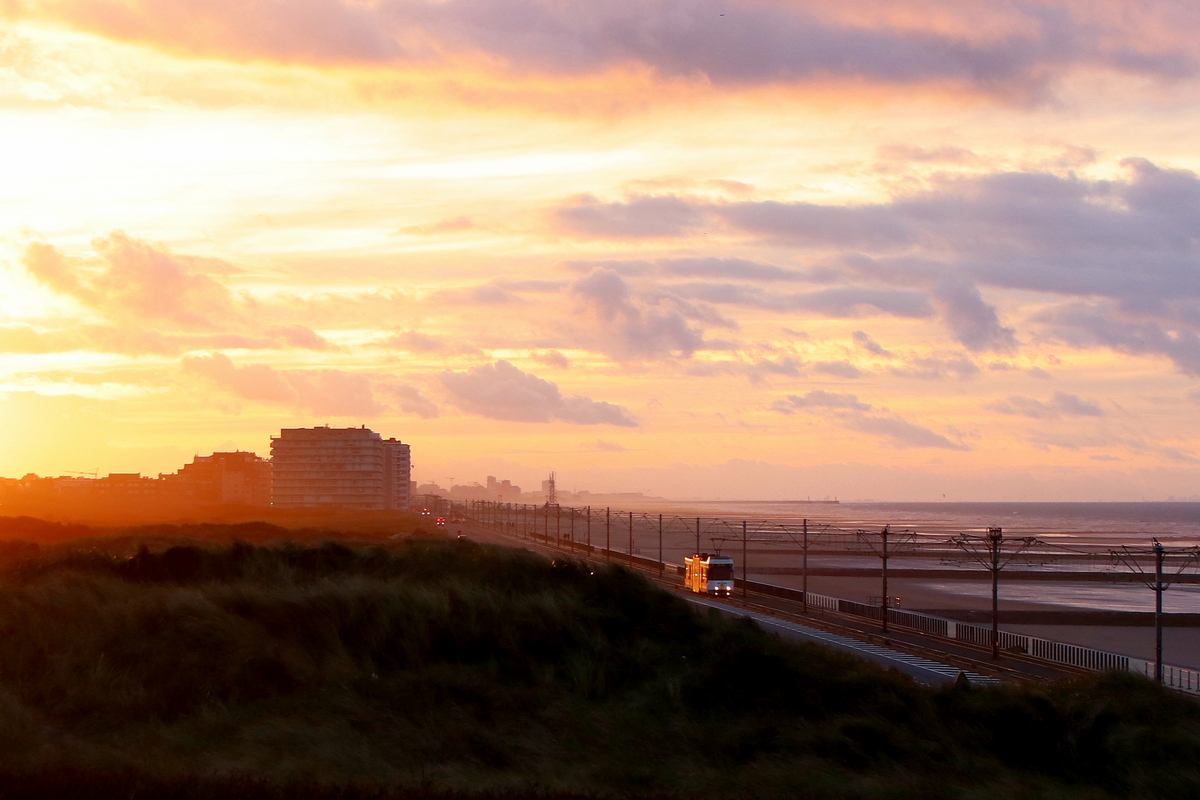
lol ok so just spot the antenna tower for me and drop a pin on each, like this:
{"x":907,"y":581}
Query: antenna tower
{"x":551,"y":491}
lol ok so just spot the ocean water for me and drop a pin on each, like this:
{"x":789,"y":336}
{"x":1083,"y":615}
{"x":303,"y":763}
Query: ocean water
{"x":1106,"y":524}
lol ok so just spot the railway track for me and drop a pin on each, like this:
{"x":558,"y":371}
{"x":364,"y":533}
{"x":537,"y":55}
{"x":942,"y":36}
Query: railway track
{"x":1014,"y":668}
{"x":983,"y":666}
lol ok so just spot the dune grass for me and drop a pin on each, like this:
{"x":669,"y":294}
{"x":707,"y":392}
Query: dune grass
{"x":427,"y":667}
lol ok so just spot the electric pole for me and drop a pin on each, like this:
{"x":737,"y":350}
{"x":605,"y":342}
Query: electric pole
{"x":987,"y":551}
{"x":1134,"y":560}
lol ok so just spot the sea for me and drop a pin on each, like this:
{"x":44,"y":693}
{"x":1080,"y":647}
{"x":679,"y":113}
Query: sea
{"x":1087,"y":527}
{"x":1135,"y":524}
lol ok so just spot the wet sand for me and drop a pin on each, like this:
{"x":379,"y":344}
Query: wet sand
{"x":1181,"y":645}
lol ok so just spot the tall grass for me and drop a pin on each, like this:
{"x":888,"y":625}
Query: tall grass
{"x":446,"y":665}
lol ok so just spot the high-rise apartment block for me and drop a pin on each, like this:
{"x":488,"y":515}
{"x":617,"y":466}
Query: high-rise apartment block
{"x":344,"y":467}
{"x":397,"y":471}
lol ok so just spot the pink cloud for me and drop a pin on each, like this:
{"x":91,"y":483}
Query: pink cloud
{"x":320,"y":391}
{"x":136,"y":281}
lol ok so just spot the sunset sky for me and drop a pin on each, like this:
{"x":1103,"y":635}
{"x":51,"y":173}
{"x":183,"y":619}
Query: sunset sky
{"x":697,"y":248}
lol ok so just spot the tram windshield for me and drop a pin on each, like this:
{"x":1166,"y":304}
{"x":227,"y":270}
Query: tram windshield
{"x":720,"y":572}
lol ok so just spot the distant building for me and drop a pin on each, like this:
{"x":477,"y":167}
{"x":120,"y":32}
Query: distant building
{"x":397,"y":472}
{"x":238,"y":478}
{"x":343,"y":467}
{"x":116,"y":486}
{"x":502,"y":490}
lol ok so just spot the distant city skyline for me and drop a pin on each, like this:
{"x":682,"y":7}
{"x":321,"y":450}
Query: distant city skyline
{"x":698,"y":248}
{"x":319,"y":467}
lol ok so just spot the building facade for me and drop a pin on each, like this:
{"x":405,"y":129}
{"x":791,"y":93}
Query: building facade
{"x":238,"y":478}
{"x":342,"y":467}
{"x":397,"y":462}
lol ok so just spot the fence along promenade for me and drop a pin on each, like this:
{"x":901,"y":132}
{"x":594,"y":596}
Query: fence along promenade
{"x":1071,"y":655}
{"x":536,"y":522}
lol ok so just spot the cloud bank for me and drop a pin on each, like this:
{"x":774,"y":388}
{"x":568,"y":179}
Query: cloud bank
{"x":849,"y":412}
{"x":1010,"y":50}
{"x":502,"y":391}
{"x":329,"y":392}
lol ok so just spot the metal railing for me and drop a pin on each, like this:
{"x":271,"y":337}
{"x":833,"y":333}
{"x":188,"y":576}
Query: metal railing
{"x":1181,"y":678}
{"x":1071,"y":655}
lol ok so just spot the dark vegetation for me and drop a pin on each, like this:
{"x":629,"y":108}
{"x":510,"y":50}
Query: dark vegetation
{"x":221,"y":525}
{"x":426,"y":668}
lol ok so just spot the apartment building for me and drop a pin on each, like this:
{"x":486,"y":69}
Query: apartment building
{"x":343,"y":467}
{"x":237,"y":478}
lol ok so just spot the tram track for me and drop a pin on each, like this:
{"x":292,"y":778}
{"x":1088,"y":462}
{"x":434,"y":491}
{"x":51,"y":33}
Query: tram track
{"x":1014,"y":667}
{"x":983,"y":666}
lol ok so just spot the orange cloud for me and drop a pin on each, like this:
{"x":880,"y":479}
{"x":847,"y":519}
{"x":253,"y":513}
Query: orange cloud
{"x":321,"y":391}
{"x":156,"y":301}
{"x":137,"y":281}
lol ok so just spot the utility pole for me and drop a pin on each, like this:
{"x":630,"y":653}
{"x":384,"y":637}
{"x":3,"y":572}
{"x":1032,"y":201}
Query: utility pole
{"x":631,"y":538}
{"x":660,"y":553}
{"x":745,"y":575}
{"x":589,"y":530}
{"x":986,"y":551}
{"x":995,"y":536}
{"x":884,"y":552}
{"x":886,"y":600}
{"x":804,"y":567}
{"x":607,"y":533}
{"x":1158,"y":593}
{"x":1187,"y":557}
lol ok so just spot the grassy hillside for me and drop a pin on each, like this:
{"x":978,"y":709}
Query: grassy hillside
{"x":445,"y":666}
{"x":257,"y":525}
